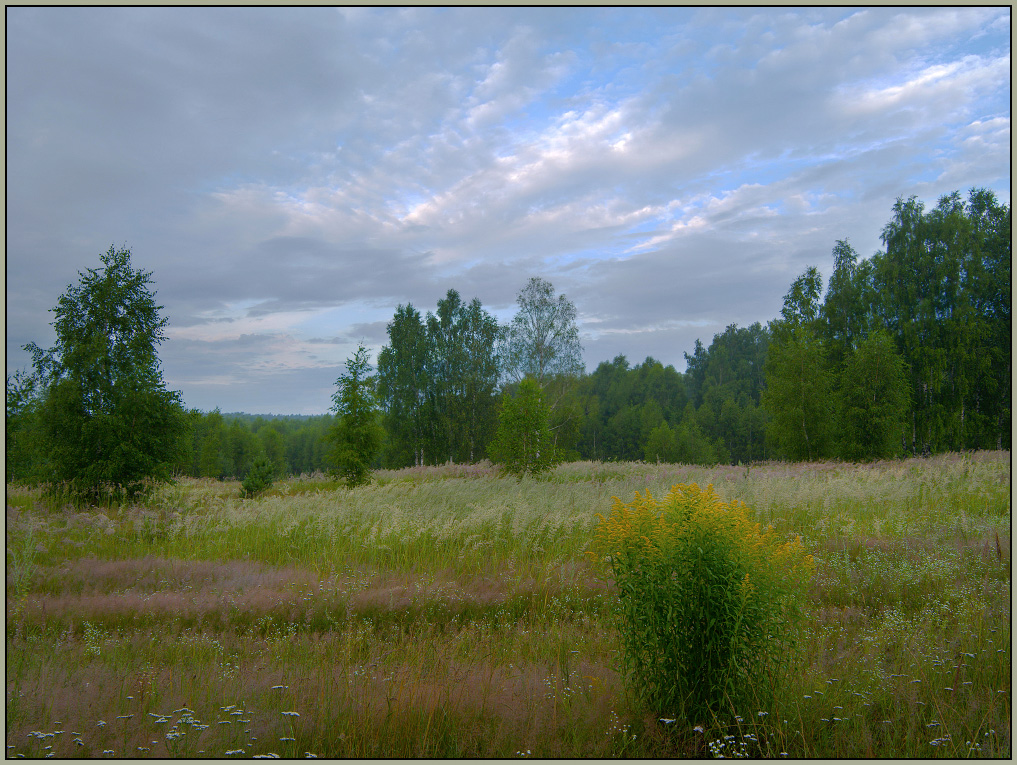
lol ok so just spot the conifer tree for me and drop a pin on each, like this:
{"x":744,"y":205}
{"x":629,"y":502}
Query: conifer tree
{"x":357,"y":434}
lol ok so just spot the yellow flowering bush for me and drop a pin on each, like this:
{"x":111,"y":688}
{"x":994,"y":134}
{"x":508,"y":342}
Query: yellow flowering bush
{"x":709,"y":601}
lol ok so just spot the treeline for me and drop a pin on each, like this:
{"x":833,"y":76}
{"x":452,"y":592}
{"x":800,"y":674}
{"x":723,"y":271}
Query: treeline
{"x":227,"y":446}
{"x":907,"y":352}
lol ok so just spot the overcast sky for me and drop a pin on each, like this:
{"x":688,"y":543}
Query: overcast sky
{"x":290,"y":176}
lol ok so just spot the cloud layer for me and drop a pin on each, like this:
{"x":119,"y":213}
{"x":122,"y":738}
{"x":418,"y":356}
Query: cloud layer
{"x":291,"y":175}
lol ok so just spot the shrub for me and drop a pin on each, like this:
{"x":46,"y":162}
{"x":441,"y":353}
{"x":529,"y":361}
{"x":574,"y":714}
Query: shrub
{"x":260,"y":477}
{"x":709,"y":602}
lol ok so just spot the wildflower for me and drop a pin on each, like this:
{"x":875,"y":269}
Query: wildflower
{"x":698,"y":728}
{"x":292,"y":714}
{"x":762,"y":714}
{"x":100,"y":724}
{"x":287,"y":738}
{"x":667,"y":720}
{"x":309,"y":756}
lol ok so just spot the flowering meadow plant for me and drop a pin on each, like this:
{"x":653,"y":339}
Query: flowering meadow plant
{"x":709,"y":601}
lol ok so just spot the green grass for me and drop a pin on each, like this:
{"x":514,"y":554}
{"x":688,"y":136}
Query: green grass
{"x":450,"y":612}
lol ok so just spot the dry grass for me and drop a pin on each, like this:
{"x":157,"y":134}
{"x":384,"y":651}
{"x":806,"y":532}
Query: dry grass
{"x":446,"y":612}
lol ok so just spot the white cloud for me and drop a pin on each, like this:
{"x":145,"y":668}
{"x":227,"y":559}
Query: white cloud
{"x":282,"y":171}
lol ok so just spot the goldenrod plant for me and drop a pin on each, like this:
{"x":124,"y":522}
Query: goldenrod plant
{"x":709,"y":601}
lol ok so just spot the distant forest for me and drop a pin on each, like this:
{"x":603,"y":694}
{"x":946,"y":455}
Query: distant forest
{"x":907,"y":352}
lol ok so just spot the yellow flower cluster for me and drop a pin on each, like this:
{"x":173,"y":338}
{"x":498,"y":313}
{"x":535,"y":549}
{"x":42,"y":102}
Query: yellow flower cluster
{"x":650,"y":529}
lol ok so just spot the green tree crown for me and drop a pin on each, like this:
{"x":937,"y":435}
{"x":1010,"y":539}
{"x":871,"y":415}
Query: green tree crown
{"x":108,"y":423}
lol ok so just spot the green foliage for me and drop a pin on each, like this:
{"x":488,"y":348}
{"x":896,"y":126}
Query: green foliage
{"x":462,"y":374}
{"x":612,"y":407}
{"x":799,"y":395}
{"x":436,"y":384}
{"x":686,"y":443}
{"x":542,"y":340}
{"x":259,"y":478}
{"x":875,"y":400}
{"x":942,"y":290}
{"x":108,"y":423}
{"x":709,"y":602}
{"x":844,"y":318}
{"x":725,"y":382}
{"x":357,"y":434}
{"x":402,"y":387}
{"x":21,"y":427}
{"x":523,"y":443}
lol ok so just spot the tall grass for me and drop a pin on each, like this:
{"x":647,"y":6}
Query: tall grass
{"x":449,"y":612}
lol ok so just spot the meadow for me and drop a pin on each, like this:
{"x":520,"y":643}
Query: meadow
{"x":451,"y":612}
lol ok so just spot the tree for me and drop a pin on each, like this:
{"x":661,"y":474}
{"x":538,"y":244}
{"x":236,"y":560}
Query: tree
{"x":403,"y":385}
{"x":523,"y":443}
{"x":844,"y":314}
{"x":726,"y":384}
{"x":479,"y":335}
{"x":22,"y":404}
{"x":214,"y":460}
{"x":357,"y":434}
{"x":462,"y":374}
{"x":661,"y":445}
{"x":942,"y":290}
{"x":875,"y":400}
{"x":274,"y":449}
{"x":542,"y":341}
{"x":799,"y":386}
{"x":259,"y":478}
{"x":109,"y":424}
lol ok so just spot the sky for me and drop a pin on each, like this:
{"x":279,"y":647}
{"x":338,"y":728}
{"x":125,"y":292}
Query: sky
{"x":291,"y":176}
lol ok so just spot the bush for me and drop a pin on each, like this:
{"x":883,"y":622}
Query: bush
{"x":709,"y":602}
{"x":260,"y":477}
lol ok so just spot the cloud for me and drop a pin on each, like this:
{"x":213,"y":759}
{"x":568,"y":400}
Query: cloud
{"x":291,"y":175}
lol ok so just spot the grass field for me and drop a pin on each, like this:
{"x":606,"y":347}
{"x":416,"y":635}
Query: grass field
{"x":448,"y":612}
